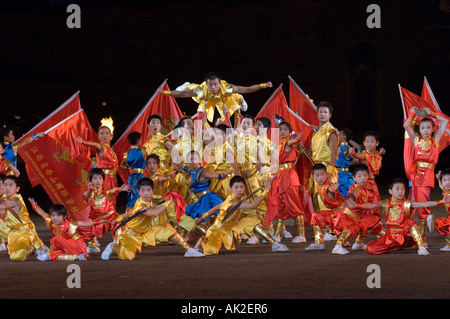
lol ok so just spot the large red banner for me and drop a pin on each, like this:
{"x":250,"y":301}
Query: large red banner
{"x":61,"y":177}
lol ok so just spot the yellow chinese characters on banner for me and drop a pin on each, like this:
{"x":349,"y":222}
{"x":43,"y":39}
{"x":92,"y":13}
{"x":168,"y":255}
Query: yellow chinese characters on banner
{"x":58,"y":174}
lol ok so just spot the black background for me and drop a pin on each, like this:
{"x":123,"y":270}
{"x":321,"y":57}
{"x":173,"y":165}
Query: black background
{"x":126,"y":49}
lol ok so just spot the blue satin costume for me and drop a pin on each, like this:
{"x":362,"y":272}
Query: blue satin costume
{"x":345,"y":178}
{"x":208,"y":199}
{"x":135,"y":160}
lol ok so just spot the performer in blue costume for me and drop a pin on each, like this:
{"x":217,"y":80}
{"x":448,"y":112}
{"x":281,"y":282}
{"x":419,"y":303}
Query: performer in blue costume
{"x":200,"y":187}
{"x":134,"y":161}
{"x":344,"y":160}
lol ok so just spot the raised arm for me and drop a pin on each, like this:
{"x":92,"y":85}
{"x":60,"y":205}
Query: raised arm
{"x":409,"y":130}
{"x":96,"y":145}
{"x":37,"y":208}
{"x":251,"y":89}
{"x":178,"y":94}
{"x":15,"y":171}
{"x":30,"y":139}
{"x":442,"y":127}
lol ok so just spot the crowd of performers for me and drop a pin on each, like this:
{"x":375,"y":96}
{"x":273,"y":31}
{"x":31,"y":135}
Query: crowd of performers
{"x":233,"y":183}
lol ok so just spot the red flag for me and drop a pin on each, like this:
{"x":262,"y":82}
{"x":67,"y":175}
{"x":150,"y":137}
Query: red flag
{"x":276,"y":109}
{"x":411,"y":100}
{"x":75,"y":125}
{"x":59,"y":175}
{"x":163,"y":105}
{"x":301,"y":104}
{"x":428,"y":95}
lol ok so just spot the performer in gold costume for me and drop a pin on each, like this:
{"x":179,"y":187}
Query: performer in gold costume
{"x":215,"y":94}
{"x":222,"y":160}
{"x":161,"y":187}
{"x":324,"y":147}
{"x":159,"y":144}
{"x":226,"y":231}
{"x":150,"y":228}
{"x":22,"y":237}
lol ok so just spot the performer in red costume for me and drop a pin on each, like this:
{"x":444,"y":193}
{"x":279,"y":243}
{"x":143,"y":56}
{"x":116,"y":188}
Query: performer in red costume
{"x":355,"y":220}
{"x":426,"y":155}
{"x":328,"y":198}
{"x":285,"y":197}
{"x":105,"y":157}
{"x":443,"y":223}
{"x":66,"y":243}
{"x":402,"y":230}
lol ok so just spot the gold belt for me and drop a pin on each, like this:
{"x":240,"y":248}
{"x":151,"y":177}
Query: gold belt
{"x":200,"y":194}
{"x":111,"y":172}
{"x":344,"y":169}
{"x":285,"y":166}
{"x":425,"y":164}
{"x":137,"y":170}
{"x":105,"y":215}
{"x":354,"y":215}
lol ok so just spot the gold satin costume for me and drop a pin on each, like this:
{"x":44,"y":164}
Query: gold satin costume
{"x":225,"y":233}
{"x":155,"y":145}
{"x":186,"y":222}
{"x":22,"y":237}
{"x":321,"y":153}
{"x":247,"y":158}
{"x":181,"y":149}
{"x":146,"y":230}
{"x":207,"y":101}
{"x":219,"y":164}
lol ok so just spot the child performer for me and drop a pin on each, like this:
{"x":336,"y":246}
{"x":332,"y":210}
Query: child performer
{"x":443,"y":223}
{"x":150,"y":228}
{"x":66,"y":243}
{"x":372,"y":158}
{"x":102,"y":203}
{"x":106,"y":158}
{"x":426,"y":155}
{"x":343,"y":161}
{"x":159,"y":144}
{"x":22,"y":237}
{"x":402,"y":230}
{"x":200,"y":186}
{"x":331,"y":200}
{"x":223,"y":232}
{"x":134,"y":161}
{"x":161,"y":188}
{"x":354,"y":220}
{"x":223,"y":161}
{"x":6,"y":166}
{"x":285,"y":197}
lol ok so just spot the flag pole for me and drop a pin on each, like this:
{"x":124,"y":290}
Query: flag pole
{"x":298,"y":116}
{"x":403,"y":104}
{"x":431,"y":94}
